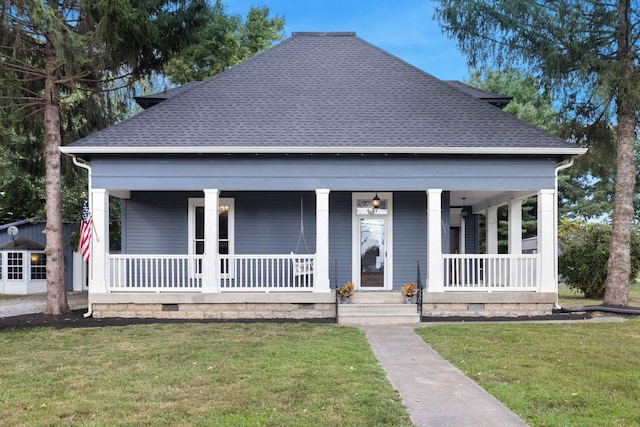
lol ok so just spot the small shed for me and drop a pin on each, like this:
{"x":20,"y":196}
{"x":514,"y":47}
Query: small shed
{"x":23,"y":262}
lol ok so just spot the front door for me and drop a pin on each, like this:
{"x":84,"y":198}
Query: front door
{"x":372,"y":242}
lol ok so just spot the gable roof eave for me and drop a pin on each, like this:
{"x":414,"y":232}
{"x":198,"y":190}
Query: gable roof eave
{"x":563,"y":151}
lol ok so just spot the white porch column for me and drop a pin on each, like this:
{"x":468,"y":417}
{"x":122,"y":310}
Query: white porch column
{"x":211,"y":258}
{"x":321,"y":267}
{"x":515,"y":227}
{"x":435,"y":279}
{"x":492,"y":230}
{"x":99,"y":260}
{"x":546,"y":241}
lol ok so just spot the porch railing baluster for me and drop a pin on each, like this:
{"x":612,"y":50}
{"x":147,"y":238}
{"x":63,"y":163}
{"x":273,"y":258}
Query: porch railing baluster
{"x":465,"y":272}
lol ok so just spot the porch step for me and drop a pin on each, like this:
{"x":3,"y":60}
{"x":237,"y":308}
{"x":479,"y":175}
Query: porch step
{"x":377,"y":297}
{"x":377,"y":314}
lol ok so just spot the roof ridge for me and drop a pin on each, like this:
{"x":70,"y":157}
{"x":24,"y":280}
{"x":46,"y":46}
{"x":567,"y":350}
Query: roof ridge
{"x":323,"y":33}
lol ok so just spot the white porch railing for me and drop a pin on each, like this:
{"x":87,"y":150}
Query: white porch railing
{"x":479,"y":272}
{"x":155,"y":273}
{"x":267,"y":273}
{"x":182,"y":273}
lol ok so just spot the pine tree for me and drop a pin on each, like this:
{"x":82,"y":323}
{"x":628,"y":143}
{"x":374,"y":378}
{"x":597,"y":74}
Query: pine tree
{"x":50,"y":50}
{"x":586,"y":51}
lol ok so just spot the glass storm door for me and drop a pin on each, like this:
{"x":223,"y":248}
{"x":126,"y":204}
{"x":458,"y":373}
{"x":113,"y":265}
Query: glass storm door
{"x":372,"y":242}
{"x":372,"y":252}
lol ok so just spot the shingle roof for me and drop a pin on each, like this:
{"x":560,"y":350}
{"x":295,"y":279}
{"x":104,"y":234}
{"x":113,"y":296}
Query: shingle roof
{"x":146,"y":101}
{"x":495,"y":99}
{"x":22,"y":244}
{"x":322,"y":92}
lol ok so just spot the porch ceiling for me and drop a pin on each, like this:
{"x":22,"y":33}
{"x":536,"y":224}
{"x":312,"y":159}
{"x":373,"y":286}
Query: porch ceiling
{"x":480,"y":200}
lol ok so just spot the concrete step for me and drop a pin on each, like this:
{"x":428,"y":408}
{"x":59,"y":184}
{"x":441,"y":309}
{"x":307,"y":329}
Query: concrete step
{"x":377,"y":314}
{"x":377,"y":297}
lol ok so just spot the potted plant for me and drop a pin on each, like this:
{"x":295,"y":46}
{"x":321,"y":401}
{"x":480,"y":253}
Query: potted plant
{"x":409,"y":290}
{"x":345,"y":291}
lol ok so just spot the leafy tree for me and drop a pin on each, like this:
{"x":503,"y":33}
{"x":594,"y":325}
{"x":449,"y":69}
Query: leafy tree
{"x":225,"y":42}
{"x":586,"y":51}
{"x":584,"y":252}
{"x":51,"y":50}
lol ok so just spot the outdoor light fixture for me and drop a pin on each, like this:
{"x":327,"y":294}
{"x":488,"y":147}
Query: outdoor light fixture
{"x":463,"y":212}
{"x":376,"y":201}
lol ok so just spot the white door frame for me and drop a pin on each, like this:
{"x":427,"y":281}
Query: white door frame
{"x":355,"y":233}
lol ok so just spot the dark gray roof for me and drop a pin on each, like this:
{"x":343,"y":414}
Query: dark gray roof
{"x":322,"y":92}
{"x":22,"y":244}
{"x":494,"y":99}
{"x":20,"y":222}
{"x":146,"y":101}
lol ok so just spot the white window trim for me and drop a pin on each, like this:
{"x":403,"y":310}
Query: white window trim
{"x":199,"y":202}
{"x":26,"y":270}
{"x":31,"y":279}
{"x":355,"y":238}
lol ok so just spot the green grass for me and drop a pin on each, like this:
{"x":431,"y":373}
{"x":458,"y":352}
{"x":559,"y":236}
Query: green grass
{"x":557,"y":374}
{"x":195,"y":374}
{"x":572,"y":298}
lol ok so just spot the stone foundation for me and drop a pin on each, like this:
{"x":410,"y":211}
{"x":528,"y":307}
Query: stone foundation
{"x":223,"y":311}
{"x":303,"y":305}
{"x":486,"y":309}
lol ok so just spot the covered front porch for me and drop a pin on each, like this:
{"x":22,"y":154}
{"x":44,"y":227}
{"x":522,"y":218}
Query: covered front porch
{"x":216,"y":273}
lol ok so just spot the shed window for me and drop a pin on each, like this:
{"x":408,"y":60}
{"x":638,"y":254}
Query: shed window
{"x":38,"y":266}
{"x":14,"y":266}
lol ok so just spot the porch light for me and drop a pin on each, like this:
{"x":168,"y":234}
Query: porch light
{"x":376,"y":202}
{"x":463,"y":212}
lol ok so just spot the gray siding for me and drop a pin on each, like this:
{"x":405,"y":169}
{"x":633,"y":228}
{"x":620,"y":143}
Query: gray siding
{"x":269,"y":223}
{"x":156,"y":223}
{"x":409,"y":237}
{"x":472,"y":234}
{"x":340,"y":235}
{"x":338,"y":173}
{"x":446,"y":222}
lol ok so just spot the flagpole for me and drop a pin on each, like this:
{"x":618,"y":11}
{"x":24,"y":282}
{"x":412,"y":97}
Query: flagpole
{"x":95,"y":232}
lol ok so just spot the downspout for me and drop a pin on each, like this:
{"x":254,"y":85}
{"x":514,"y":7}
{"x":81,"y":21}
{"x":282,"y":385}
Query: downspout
{"x":86,"y":166}
{"x":561,"y":166}
{"x":616,"y":310}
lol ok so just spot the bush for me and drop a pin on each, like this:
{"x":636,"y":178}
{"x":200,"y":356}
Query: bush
{"x":584,"y":251}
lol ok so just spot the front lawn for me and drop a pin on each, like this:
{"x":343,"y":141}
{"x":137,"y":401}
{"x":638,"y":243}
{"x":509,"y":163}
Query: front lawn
{"x":195,"y":374}
{"x":552,"y":374}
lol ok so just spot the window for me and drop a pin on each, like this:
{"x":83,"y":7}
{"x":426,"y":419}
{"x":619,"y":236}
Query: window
{"x":38,"y":266}
{"x":225,"y":228}
{"x":14,"y":266}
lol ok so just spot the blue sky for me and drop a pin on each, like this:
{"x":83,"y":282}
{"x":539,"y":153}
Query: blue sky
{"x":404,"y":28}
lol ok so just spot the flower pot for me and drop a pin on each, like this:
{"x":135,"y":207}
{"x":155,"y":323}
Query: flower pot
{"x":408,"y":300}
{"x":344,"y":300}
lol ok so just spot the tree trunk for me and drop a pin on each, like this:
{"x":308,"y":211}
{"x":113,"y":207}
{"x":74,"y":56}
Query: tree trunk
{"x":619,"y":263}
{"x":54,"y":249}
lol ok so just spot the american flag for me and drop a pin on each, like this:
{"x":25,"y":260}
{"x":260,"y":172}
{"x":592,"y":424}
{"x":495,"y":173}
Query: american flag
{"x":84,"y":242}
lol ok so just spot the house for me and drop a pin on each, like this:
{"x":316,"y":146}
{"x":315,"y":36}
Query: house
{"x":320,"y":161}
{"x":23,"y":262}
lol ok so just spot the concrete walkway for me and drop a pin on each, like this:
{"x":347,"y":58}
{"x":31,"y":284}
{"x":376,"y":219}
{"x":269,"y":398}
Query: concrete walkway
{"x":34,"y":303}
{"x":435,"y":392}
